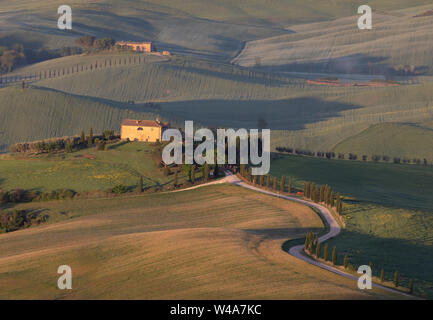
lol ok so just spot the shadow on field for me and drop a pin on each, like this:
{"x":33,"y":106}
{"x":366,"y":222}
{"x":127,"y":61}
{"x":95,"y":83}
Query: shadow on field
{"x":351,"y":64}
{"x":282,"y":233}
{"x":286,"y":114}
{"x":412,"y":260}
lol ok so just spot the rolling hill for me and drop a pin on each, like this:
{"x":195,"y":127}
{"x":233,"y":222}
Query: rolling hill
{"x":169,"y":246}
{"x":391,"y":139}
{"x":219,"y":94}
{"x":208,"y":28}
{"x":387,"y":211}
{"x":37,"y":113}
{"x":397,"y":39}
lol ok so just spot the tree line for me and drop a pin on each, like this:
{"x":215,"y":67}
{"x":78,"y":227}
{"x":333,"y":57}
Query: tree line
{"x":352,"y":156}
{"x":67,"y":144}
{"x":313,"y":247}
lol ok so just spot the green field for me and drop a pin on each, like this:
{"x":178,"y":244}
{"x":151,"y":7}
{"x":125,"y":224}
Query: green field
{"x":393,"y":140}
{"x":170,"y":246}
{"x":218,"y":94}
{"x":38,"y":113}
{"x":121,"y":164}
{"x":388,"y":213}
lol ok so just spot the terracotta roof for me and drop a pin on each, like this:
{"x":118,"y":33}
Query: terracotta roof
{"x":140,"y":123}
{"x":132,"y":42}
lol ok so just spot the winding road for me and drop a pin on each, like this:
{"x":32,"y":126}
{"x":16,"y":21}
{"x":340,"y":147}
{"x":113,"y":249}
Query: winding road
{"x":297,"y":251}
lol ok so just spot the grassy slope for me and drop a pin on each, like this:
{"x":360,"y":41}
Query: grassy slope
{"x":314,"y":117}
{"x":388,"y":213}
{"x":394,"y":140}
{"x":170,"y":247}
{"x":396,"y":39}
{"x":33,"y":114}
{"x":121,"y":164}
{"x":215,"y":29}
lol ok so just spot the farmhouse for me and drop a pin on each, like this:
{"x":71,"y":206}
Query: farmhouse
{"x":142,"y":130}
{"x":137,"y":46}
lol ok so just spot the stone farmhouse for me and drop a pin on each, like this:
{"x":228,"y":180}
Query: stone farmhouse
{"x":142,"y":130}
{"x":137,"y":46}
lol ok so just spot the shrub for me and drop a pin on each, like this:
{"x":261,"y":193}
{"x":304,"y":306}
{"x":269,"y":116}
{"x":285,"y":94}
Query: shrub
{"x":119,"y":189}
{"x":4,"y":196}
{"x":69,"y":148}
{"x":108,"y":134}
{"x":166,"y":171}
{"x":16,"y":195}
{"x":100,"y":146}
{"x":64,"y":194}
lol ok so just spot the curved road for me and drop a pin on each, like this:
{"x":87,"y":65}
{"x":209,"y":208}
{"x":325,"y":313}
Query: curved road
{"x":297,"y":251}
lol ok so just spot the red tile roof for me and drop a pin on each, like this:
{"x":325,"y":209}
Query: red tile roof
{"x":141,"y":123}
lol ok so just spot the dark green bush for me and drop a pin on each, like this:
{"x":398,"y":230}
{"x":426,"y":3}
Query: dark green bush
{"x":119,"y":189}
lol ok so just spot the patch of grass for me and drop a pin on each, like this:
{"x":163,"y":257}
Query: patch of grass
{"x":387,"y":210}
{"x":391,"y":139}
{"x":119,"y":165}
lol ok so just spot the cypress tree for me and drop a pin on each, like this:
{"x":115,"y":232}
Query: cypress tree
{"x":307,"y":240}
{"x":82,"y":137}
{"x":268,"y":181}
{"x":206,"y":171}
{"x":334,"y":255}
{"x":332,"y":202}
{"x":89,"y":142}
{"x":312,"y":193}
{"x":275,"y":184}
{"x":318,"y":249}
{"x":255,"y":180}
{"x":289,"y":190}
{"x":325,"y":252}
{"x":261,"y":180}
{"x":283,"y":184}
{"x":140,"y":185}
{"x":346,"y":261}
{"x":411,"y":286}
{"x":340,"y":208}
{"x":382,"y":275}
{"x":91,"y":134}
{"x":322,"y":194}
{"x":396,"y":279}
{"x":202,"y":172}
{"x":193,"y":174}
{"x":216,"y":171}
{"x":242,"y":170}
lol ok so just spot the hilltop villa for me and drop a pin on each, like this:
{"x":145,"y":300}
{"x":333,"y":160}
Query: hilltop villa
{"x":142,"y":130}
{"x":137,"y":46}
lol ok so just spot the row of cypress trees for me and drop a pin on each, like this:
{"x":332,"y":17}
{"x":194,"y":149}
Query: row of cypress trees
{"x":313,"y":247}
{"x":324,"y":194}
{"x":267,"y":181}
